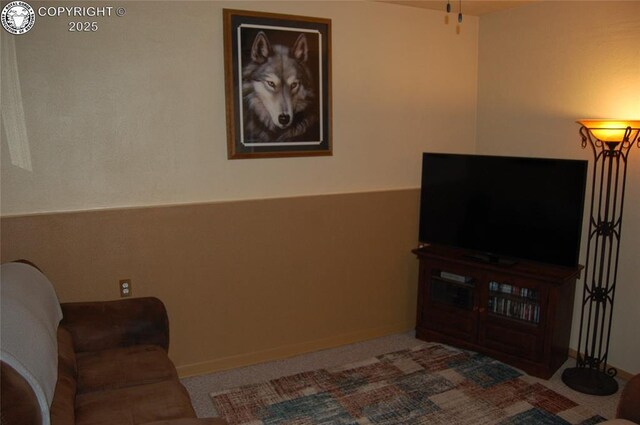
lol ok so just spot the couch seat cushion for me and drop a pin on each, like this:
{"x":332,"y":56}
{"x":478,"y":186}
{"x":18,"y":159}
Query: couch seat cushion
{"x":134,"y":405}
{"x":123,"y":367}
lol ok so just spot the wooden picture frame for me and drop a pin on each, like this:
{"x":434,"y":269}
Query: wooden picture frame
{"x":277,"y":85}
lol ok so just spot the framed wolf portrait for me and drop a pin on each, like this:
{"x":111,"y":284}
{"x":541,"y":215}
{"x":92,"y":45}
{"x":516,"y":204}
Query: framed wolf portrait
{"x":277,"y":85}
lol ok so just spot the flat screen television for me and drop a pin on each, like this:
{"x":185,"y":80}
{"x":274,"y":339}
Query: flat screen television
{"x":502,"y":209}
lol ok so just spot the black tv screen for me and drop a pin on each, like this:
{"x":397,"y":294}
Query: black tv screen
{"x":518,"y":208}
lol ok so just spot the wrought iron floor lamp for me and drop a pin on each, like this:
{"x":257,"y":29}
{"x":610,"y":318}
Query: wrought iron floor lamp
{"x":611,"y":142}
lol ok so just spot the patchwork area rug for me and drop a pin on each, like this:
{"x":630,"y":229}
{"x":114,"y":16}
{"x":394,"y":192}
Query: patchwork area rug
{"x":427,"y":385}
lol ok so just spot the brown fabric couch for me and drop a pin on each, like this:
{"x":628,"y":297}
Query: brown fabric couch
{"x":629,"y":405}
{"x":113,"y":368}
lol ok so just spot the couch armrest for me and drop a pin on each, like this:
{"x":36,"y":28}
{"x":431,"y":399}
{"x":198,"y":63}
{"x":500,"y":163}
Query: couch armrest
{"x":629,"y":404}
{"x":110,"y":324}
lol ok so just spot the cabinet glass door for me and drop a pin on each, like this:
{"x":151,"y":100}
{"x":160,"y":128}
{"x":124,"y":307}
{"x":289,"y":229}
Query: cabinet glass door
{"x":452,"y":290}
{"x":514,"y":302}
{"x":451,"y":303}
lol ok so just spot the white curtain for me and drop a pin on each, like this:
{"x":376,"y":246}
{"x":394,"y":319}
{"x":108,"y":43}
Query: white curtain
{"x":13,"y":119}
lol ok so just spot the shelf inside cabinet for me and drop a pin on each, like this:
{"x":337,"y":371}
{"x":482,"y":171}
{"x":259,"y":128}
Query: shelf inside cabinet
{"x":509,"y":289}
{"x":452,"y":293}
{"x":453,"y":277}
{"x":518,"y":308}
{"x":513,"y":319}
{"x":469,"y":284}
{"x":514,"y":302}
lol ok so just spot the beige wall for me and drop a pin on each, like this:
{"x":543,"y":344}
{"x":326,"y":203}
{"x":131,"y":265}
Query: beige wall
{"x":134,"y":114}
{"x":542,"y":67}
{"x":256,"y":259}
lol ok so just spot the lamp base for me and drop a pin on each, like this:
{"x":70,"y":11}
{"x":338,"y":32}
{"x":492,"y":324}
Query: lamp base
{"x":589,"y":381}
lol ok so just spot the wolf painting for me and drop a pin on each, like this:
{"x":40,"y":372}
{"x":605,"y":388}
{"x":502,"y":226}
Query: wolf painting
{"x":279,"y":98}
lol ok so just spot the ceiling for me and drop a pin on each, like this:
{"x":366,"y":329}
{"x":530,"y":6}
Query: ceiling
{"x":469,"y":7}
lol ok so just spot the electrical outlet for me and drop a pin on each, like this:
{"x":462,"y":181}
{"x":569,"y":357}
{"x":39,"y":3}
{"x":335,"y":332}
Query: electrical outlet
{"x":125,"y":288}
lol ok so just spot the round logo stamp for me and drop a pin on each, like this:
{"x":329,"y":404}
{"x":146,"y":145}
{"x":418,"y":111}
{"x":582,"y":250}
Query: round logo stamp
{"x":18,"y":17}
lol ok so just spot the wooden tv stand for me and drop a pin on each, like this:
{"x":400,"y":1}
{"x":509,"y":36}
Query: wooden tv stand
{"x":518,"y":313}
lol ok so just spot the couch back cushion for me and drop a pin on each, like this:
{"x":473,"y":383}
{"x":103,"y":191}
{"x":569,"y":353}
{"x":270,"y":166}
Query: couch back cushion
{"x":102,"y":325}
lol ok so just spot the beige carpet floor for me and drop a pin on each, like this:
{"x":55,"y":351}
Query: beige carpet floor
{"x":199,"y":387}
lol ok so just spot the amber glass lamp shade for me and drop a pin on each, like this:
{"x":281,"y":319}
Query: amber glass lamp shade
{"x":610,"y":130}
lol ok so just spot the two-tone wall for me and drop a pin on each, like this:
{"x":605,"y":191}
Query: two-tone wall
{"x":122,"y":172}
{"x":243,"y":281}
{"x":116,"y":162}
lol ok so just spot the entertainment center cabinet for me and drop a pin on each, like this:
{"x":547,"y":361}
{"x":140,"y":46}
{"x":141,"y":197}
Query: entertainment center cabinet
{"x":518,"y":313}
